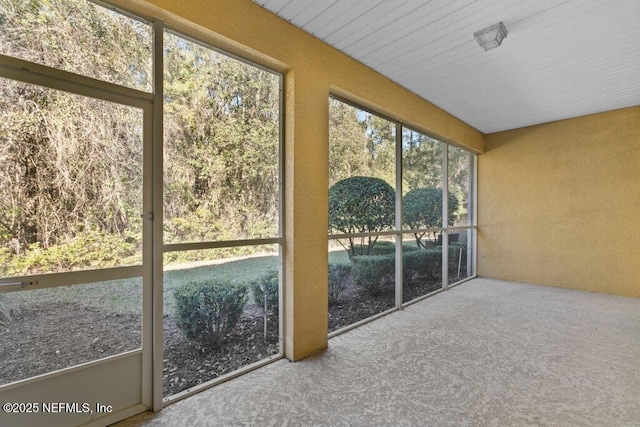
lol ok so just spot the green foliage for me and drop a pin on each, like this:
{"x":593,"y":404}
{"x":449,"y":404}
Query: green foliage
{"x":73,"y":165}
{"x":78,"y":36}
{"x":267,"y":283}
{"x":422,"y":208}
{"x":242,"y":269}
{"x":421,"y":160}
{"x":222,"y":156}
{"x":421,"y":265}
{"x":375,"y":273}
{"x":360,"y":144}
{"x":361,"y":204}
{"x":347,"y":140}
{"x":87,"y":250}
{"x":208,"y":311}
{"x":383,"y":247}
{"x":71,"y":182}
{"x":381,"y":147}
{"x":459,"y":168}
{"x":378,"y":248}
{"x":338,"y":277}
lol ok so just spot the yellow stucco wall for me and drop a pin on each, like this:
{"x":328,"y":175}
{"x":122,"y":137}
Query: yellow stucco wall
{"x":559,"y":204}
{"x":312,"y":70}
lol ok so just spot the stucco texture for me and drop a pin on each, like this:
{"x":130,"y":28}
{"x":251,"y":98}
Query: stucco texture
{"x":559,"y":204}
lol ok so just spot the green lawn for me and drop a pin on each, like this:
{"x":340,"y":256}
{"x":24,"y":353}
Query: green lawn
{"x":339,"y":256}
{"x":125,"y":296}
{"x":243,"y":270}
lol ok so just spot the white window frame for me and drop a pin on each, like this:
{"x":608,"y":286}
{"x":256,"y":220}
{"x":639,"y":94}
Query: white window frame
{"x":151,"y":269}
{"x":399,"y":232}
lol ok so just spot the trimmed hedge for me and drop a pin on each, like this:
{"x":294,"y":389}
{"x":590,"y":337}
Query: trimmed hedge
{"x":338,"y":276}
{"x":375,"y":273}
{"x":385,"y":247}
{"x":379,"y":248}
{"x":207,"y":311}
{"x":421,"y":265}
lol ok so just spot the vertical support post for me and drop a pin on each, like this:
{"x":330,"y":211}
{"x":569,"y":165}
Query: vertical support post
{"x":158,"y":127}
{"x":474,"y":241}
{"x":306,"y":320}
{"x":445,"y":217}
{"x":399,"y":255}
{"x":281,"y":216}
{"x":147,"y":257}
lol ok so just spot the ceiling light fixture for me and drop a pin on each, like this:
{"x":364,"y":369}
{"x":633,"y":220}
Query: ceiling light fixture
{"x":491,"y":36}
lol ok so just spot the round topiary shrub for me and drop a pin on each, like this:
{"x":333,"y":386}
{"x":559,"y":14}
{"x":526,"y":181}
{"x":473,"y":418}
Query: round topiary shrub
{"x":361,"y":204}
{"x":422,"y":208}
{"x":208,"y":311}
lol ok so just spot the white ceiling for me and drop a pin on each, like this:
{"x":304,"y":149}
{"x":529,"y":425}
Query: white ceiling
{"x":561,"y":58}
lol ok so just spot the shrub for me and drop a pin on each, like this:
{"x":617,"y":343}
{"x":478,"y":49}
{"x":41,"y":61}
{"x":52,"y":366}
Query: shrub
{"x":207,"y":311}
{"x":421,"y":265}
{"x":338,"y":276}
{"x":409,"y":248}
{"x":87,"y":250}
{"x":422,"y":208}
{"x":361,"y":204}
{"x":269,"y":283}
{"x":375,"y":273}
{"x":384,"y":248}
{"x":377,"y":248}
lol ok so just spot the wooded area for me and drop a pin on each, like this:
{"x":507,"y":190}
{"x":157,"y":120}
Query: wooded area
{"x":71,"y":181}
{"x":71,"y":175}
{"x":363,"y":144}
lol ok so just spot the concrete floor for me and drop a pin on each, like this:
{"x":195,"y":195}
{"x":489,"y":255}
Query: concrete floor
{"x":486,"y":353}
